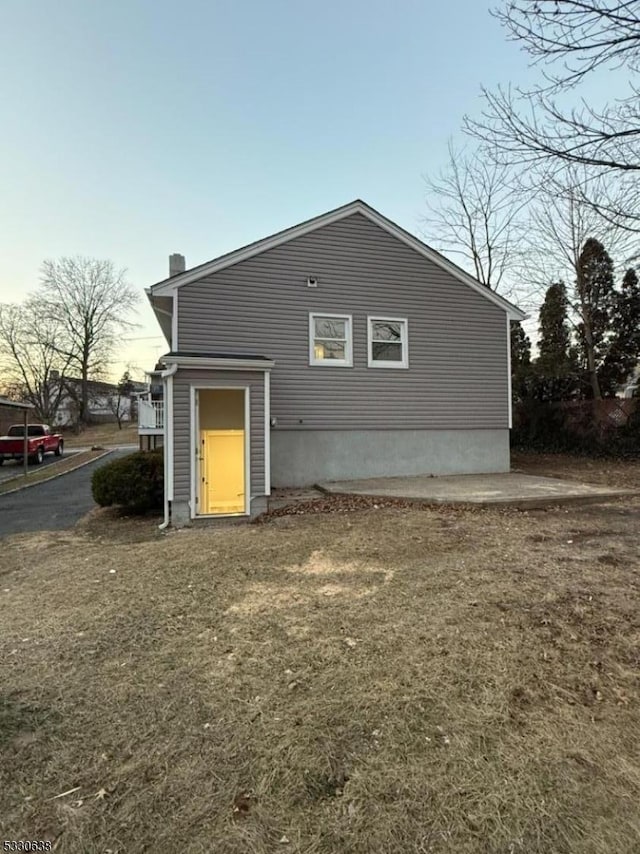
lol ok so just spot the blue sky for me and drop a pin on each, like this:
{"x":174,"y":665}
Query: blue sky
{"x":133,"y":129}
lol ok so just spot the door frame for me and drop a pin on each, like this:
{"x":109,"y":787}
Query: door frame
{"x":194,"y":444}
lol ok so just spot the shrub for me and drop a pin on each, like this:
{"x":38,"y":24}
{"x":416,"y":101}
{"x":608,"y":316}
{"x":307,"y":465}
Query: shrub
{"x":134,"y":482}
{"x":628,"y":444}
{"x":540,"y":427}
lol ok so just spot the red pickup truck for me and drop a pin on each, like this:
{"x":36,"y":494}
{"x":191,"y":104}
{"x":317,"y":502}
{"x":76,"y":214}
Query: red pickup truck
{"x":40,"y":441}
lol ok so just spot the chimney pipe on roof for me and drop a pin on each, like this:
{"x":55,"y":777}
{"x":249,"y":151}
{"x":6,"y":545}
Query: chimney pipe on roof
{"x":177,"y":264}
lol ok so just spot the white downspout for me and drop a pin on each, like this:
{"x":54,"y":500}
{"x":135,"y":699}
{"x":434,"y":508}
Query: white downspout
{"x":167,"y":381}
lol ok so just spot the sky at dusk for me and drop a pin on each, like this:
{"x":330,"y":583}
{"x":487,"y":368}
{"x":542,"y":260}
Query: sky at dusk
{"x":137,"y":128}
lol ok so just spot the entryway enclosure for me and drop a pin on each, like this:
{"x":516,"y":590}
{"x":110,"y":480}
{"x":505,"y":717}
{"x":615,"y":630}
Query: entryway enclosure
{"x":217,"y":437}
{"x":223,"y":465}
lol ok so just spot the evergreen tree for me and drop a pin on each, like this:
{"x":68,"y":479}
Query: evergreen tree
{"x":520,"y":361}
{"x":125,"y":385}
{"x":555,"y":338}
{"x":555,"y":368}
{"x":120,"y":403}
{"x":624,"y":351}
{"x":595,"y":302}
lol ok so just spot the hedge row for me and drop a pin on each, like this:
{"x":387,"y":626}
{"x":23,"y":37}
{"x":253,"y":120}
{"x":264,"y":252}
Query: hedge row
{"x":552,"y":428}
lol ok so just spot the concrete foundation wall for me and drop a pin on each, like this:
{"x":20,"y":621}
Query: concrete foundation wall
{"x":181,"y":514}
{"x":304,"y":457}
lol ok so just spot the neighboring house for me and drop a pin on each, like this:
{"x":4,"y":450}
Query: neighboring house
{"x":343,"y":347}
{"x":13,"y":412}
{"x":150,"y":405}
{"x":630,"y":387}
{"x":103,"y":402}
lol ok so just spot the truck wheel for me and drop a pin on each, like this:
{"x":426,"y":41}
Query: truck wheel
{"x":38,"y":457}
{"x":1,"y":460}
{"x":60,"y":449}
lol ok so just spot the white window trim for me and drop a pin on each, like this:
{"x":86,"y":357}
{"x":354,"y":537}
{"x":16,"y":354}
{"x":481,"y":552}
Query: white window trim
{"x":331,"y":363}
{"x":405,"y":342}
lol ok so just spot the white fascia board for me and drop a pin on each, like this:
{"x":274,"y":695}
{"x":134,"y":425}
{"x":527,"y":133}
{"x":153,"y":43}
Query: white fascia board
{"x":219,"y":364}
{"x":168,"y":287}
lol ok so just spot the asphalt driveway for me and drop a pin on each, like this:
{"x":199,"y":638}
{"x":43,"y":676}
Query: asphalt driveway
{"x":54,"y":505}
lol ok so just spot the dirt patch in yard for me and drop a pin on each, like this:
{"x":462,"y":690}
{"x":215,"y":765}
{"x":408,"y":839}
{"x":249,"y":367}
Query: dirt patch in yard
{"x":624,"y":474}
{"x":390,"y":680}
{"x":303,"y":505}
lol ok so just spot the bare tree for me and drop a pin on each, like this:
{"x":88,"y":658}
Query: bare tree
{"x":91,"y":301}
{"x":570,"y":40}
{"x":473,"y":213}
{"x":29,"y":359}
{"x":560,"y":220}
{"x":574,"y":36}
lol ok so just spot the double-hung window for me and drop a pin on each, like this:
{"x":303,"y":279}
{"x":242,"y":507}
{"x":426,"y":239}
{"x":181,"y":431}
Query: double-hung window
{"x":330,"y":340}
{"x":388,"y":342}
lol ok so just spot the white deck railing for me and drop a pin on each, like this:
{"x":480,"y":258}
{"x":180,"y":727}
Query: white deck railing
{"x":150,"y":414}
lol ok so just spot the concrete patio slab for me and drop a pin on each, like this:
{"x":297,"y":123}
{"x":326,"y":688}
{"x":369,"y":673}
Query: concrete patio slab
{"x":511,"y":489}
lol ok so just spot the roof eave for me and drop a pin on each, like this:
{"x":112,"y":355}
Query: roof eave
{"x":159,"y":313}
{"x":12,"y":404}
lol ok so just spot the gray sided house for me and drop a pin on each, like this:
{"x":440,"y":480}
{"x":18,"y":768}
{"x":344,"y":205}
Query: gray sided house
{"x":340,"y":348}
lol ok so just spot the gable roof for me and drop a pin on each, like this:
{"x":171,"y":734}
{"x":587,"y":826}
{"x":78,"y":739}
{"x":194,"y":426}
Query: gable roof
{"x":167,"y":287}
{"x":98,"y":386}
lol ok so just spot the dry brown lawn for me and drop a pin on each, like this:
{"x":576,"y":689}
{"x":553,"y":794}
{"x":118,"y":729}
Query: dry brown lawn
{"x":611,"y":472}
{"x":379,"y":681}
{"x":102,"y":434}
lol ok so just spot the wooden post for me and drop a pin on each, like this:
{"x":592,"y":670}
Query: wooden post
{"x":25,"y":459}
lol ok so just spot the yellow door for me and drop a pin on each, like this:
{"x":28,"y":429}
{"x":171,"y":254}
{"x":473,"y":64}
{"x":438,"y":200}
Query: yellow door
{"x":222,"y":471}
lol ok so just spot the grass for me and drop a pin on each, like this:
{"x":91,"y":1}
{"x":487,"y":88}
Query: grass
{"x":38,"y":473}
{"x":375,"y":681}
{"x":104,"y":435}
{"x":609,"y":472}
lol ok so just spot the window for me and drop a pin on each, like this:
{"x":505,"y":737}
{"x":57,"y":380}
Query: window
{"x":330,"y":340}
{"x":388,"y":342}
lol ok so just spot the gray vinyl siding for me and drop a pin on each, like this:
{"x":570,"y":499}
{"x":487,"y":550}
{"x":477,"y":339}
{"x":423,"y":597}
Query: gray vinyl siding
{"x":457,"y":375}
{"x":184,"y":443}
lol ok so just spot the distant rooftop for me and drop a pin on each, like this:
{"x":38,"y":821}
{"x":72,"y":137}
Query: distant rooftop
{"x":14,"y":404}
